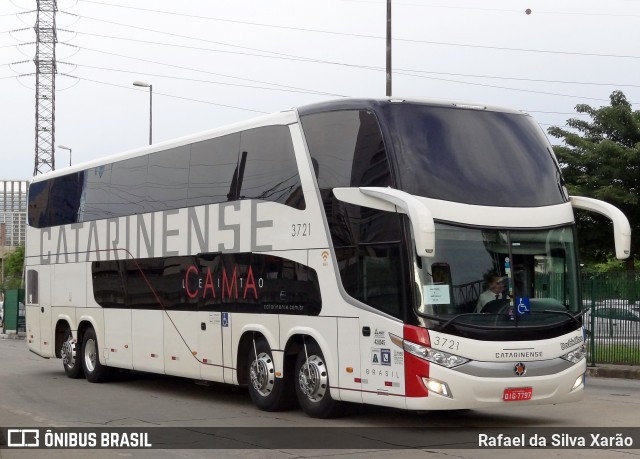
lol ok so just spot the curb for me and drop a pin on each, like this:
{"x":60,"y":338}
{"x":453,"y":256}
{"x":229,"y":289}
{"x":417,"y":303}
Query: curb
{"x":621,"y":371}
{"x":13,"y":335}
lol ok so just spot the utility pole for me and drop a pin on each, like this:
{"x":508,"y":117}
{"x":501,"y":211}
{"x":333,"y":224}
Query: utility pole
{"x":388,"y":48}
{"x":45,"y":60}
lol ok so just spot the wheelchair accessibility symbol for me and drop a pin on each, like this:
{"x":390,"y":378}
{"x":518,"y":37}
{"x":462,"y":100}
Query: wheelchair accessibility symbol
{"x":225,"y":319}
{"x":523,"y":307}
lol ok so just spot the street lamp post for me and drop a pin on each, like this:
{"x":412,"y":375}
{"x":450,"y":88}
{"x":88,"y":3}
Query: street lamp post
{"x":66,"y":148}
{"x":142,"y":84}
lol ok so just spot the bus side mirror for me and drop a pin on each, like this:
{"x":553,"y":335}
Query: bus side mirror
{"x":621,"y":227}
{"x":392,"y":200}
{"x":441,"y":273}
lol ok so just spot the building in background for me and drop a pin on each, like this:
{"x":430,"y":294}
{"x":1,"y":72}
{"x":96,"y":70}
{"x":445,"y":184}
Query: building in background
{"x":13,"y":218}
{"x":13,"y":212}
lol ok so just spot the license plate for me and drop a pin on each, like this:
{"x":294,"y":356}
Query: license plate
{"x":517,"y":394}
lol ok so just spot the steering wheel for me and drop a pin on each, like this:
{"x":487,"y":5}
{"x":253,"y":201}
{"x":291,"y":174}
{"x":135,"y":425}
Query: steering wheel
{"x":501,"y":305}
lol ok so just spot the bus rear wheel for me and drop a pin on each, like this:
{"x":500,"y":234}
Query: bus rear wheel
{"x":94,"y":371}
{"x":312,"y":384}
{"x":70,"y":362}
{"x":267,"y":392}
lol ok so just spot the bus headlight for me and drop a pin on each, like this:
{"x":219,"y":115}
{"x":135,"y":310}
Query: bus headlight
{"x":437,"y":387}
{"x":576,"y":355}
{"x":579,"y":382}
{"x":432,"y":355}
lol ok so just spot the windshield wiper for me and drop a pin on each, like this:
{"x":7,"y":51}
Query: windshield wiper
{"x":447,"y":322}
{"x":564,"y":313}
{"x":453,"y":319}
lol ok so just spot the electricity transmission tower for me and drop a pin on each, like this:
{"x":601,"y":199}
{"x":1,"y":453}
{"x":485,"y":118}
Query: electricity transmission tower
{"x":45,"y":61}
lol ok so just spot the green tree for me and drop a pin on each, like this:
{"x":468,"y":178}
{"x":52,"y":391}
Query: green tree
{"x":12,"y":266}
{"x":600,"y":158}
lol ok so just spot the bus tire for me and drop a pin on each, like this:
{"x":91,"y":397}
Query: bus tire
{"x":70,"y":358}
{"x":94,"y":371}
{"x":312,"y":384}
{"x":267,"y":392}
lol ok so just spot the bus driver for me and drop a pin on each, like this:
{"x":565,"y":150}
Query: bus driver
{"x":495,"y":287}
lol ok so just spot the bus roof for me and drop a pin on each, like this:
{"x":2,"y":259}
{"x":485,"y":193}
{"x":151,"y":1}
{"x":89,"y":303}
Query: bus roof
{"x":283,"y":117}
{"x":353,"y":103}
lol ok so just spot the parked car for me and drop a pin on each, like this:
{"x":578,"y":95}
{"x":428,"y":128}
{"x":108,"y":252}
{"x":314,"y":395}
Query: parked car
{"x":618,"y":321}
{"x":618,"y":302}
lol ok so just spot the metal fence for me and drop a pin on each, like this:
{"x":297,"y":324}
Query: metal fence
{"x":613,"y":317}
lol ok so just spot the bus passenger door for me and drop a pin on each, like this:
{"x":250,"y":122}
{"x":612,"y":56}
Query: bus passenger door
{"x":46,"y":333}
{"x":38,"y":310}
{"x":210,"y":346}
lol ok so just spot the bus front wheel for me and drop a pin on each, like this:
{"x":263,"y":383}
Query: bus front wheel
{"x":312,"y":384}
{"x":267,"y":392}
{"x":94,"y":371}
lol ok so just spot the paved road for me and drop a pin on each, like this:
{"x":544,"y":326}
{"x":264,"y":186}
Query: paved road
{"x":35,"y":393}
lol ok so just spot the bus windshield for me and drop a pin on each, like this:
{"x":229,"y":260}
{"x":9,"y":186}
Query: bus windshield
{"x":500,"y":277}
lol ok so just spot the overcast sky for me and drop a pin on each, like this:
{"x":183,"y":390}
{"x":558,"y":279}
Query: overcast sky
{"x":216,"y":62}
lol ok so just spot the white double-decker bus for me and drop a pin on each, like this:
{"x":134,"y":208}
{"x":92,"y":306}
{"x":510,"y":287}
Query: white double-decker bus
{"x":326,"y":254}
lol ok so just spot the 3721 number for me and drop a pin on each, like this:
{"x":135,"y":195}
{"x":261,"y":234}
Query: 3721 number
{"x":300,"y":229}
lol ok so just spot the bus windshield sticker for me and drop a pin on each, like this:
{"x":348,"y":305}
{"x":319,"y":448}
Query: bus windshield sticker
{"x":437,"y":294}
{"x":523,"y":306}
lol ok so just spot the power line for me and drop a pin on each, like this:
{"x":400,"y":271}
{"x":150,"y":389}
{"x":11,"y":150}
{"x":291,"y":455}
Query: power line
{"x":408,"y":40}
{"x":407,"y":72}
{"x":534,"y":80}
{"x":199,"y":70}
{"x":15,"y":30}
{"x":173,"y":34}
{"x":491,"y":10}
{"x":197,"y":48}
{"x":556,"y":113}
{"x":465,"y":8}
{"x":530,"y":91}
{"x":291,"y":57}
{"x":340,"y":95}
{"x":310,"y":91}
{"x":164,"y":94}
{"x":171,"y":77}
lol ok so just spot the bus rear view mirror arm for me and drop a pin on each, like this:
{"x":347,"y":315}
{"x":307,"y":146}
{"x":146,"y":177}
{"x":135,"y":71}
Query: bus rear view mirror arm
{"x":392,"y":200}
{"x":621,"y":227}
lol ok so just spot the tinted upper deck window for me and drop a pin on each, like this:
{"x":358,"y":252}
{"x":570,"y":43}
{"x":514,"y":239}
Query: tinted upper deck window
{"x":213,"y":163}
{"x":267,"y":168}
{"x":257,"y":163}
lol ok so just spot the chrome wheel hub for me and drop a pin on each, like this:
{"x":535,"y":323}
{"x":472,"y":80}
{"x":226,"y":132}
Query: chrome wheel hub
{"x":68,"y":352}
{"x":262,"y":374}
{"x":313,"y":378}
{"x":90,"y":355}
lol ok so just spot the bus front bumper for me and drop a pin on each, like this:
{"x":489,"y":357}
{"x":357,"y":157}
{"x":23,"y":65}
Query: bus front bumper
{"x":471,"y":392}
